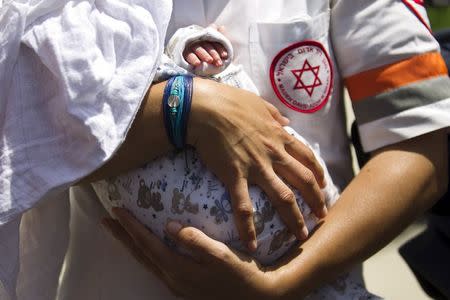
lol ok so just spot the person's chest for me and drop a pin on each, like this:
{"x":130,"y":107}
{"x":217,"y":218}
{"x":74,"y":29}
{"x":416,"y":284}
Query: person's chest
{"x":262,"y":30}
{"x":239,"y":16}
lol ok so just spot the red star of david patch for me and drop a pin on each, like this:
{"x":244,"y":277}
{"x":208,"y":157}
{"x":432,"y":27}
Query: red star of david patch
{"x":300,"y":84}
{"x":302,"y":76}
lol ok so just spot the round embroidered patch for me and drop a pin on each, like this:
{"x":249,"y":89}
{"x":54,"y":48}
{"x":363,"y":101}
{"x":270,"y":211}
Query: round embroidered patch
{"x":302,"y":76}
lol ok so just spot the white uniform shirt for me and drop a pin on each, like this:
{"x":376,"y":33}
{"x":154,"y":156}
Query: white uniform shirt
{"x":72,"y":75}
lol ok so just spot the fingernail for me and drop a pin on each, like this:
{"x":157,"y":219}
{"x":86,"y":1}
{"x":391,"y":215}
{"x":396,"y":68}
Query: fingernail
{"x":286,"y":120}
{"x":305,"y":233}
{"x":252,"y":245}
{"x":219,"y":63}
{"x":173,"y":227}
{"x":324,"y":212}
{"x":322,"y":183}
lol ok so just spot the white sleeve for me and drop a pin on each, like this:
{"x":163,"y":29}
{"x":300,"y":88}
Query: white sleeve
{"x":72,"y":77}
{"x":392,"y":68}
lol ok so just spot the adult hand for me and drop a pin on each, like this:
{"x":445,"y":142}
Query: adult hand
{"x":240,"y":137}
{"x":213,"y":272}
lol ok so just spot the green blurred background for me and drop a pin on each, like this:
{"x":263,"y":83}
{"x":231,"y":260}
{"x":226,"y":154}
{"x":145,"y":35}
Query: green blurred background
{"x":439,"y":15}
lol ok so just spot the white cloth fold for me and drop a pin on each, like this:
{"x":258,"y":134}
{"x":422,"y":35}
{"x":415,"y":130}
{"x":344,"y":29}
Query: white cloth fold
{"x":72,"y":77}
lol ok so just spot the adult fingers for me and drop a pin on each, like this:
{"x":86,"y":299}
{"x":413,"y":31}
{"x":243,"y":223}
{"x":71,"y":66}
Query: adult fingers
{"x":221,"y":50}
{"x":200,"y":246}
{"x":222,"y":29}
{"x":276,"y":114}
{"x":283,"y":199}
{"x":219,"y":47}
{"x":243,"y":213}
{"x":303,"y":180}
{"x":192,"y":58}
{"x":213,"y":52}
{"x":201,"y":53}
{"x":305,"y":155}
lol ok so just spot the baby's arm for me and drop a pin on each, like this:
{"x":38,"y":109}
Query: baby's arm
{"x":206,"y":51}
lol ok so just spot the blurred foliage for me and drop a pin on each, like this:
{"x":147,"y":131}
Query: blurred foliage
{"x":439,"y":17}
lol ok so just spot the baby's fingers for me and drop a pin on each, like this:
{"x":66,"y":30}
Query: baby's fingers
{"x":221,"y":50}
{"x":213,"y":52}
{"x":201,"y":53}
{"x":219,"y":47}
{"x":192,"y":59}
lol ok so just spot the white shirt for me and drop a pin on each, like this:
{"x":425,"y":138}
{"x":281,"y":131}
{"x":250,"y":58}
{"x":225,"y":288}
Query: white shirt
{"x":72,"y":75}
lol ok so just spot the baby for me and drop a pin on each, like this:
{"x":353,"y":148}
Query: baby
{"x":179,"y":187}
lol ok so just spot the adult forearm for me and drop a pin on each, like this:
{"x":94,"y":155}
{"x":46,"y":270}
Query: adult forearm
{"x":240,"y":138}
{"x":397,"y":184}
{"x":145,"y":140}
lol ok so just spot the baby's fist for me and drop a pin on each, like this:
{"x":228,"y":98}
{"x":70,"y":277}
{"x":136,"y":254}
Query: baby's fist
{"x":204,"y":51}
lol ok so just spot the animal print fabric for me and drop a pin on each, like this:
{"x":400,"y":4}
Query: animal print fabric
{"x":179,"y":187}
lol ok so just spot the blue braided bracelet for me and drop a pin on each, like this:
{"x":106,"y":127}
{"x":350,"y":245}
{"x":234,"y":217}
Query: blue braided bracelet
{"x":176,"y":102}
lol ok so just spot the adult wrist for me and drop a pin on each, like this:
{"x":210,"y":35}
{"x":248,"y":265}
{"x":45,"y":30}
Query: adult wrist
{"x":296,"y":277}
{"x":176,"y":108}
{"x":200,"y":110}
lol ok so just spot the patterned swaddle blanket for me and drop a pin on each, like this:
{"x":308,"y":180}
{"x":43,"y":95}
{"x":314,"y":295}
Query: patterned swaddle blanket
{"x":179,"y":187}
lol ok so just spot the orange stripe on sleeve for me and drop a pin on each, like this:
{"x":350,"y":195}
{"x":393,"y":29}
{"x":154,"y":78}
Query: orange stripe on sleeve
{"x":385,"y":78}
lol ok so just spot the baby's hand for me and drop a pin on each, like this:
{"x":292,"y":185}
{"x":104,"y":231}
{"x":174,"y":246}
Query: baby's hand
{"x":209,"y":52}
